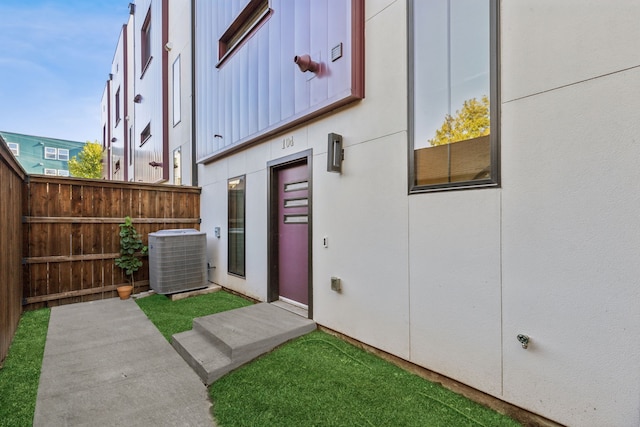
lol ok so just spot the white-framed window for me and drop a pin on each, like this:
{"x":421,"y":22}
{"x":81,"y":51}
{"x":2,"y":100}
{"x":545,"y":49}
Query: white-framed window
{"x":117,"y":102}
{"x":145,"y":134}
{"x":255,"y":12}
{"x":130,"y":142}
{"x":62,"y":172}
{"x":145,"y":42}
{"x":50,"y":153}
{"x":176,"y":91}
{"x":49,"y":171}
{"x":63,"y":154}
{"x":236,"y":227}
{"x":453,"y":94}
{"x":177,"y":166}
{"x":14,"y":147}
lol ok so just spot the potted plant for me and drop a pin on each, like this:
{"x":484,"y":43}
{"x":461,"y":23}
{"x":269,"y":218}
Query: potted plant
{"x":131,"y":247}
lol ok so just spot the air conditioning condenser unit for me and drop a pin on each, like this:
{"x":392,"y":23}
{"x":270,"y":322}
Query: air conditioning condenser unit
{"x":177,"y":260}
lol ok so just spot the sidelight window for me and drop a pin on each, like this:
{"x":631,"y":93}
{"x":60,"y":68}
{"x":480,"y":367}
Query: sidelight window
{"x":236,"y":226}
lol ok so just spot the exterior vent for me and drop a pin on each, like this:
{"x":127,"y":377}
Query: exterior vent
{"x":177,"y":260}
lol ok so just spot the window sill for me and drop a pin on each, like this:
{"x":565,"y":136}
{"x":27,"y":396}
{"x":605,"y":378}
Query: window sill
{"x":464,"y":185}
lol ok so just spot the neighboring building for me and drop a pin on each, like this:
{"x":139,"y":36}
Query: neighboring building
{"x":41,"y":155}
{"x":179,"y":71}
{"x":447,"y":256}
{"x":146,"y":105}
{"x":118,"y":111}
{"x":117,"y":107}
{"x":105,"y":115}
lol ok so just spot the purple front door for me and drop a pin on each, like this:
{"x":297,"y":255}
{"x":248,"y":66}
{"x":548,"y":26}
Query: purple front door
{"x":293,"y":233}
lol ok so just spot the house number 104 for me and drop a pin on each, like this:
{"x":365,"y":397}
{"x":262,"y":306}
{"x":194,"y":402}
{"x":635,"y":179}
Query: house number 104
{"x":287,"y":142}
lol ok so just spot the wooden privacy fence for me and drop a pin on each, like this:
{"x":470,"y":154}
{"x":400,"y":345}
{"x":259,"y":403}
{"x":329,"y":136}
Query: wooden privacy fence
{"x":71,"y":234}
{"x":11,"y":180}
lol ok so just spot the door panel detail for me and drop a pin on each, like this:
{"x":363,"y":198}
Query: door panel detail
{"x":293,"y":233}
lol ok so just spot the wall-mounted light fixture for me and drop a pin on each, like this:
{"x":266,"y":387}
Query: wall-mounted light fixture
{"x":168,"y":46}
{"x":137,"y":99}
{"x":155,"y":164}
{"x":335,"y":153}
{"x":132,"y":8}
{"x":114,"y":139}
{"x":110,"y":76}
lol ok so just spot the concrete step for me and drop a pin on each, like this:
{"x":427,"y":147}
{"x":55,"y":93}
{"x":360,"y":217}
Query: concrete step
{"x":224,"y":341}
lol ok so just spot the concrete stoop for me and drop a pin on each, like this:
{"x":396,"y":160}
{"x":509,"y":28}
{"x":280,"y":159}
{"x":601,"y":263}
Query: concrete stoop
{"x":221,"y":342}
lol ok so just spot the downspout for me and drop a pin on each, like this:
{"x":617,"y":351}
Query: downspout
{"x":194,"y":164}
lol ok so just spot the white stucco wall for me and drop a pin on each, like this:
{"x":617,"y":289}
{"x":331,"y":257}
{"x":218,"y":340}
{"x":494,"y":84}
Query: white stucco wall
{"x":570,"y":202}
{"x":367,"y":244}
{"x":447,"y":280}
{"x":213,"y":181}
{"x":455,"y":287}
{"x":570,"y":246}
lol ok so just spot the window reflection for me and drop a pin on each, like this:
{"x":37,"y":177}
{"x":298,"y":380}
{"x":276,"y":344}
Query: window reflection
{"x":452,"y":87}
{"x":236,"y":226}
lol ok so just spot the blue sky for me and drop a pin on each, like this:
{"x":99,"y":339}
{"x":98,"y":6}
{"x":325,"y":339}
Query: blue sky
{"x":55,"y":58}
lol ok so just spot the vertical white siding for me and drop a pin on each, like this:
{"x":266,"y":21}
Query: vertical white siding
{"x":131,"y":84}
{"x":118,"y":129}
{"x":149,"y":84}
{"x":180,"y":39}
{"x":258,"y":83}
{"x":104,"y":124}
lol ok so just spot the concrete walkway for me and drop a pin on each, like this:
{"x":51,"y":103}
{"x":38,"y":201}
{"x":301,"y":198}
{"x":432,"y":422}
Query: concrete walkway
{"x":106,"y":364}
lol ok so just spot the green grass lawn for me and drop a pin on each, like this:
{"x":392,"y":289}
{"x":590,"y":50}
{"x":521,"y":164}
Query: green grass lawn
{"x":20,"y":375}
{"x":171,"y":317}
{"x":320,"y":380}
{"x":315,"y":380}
